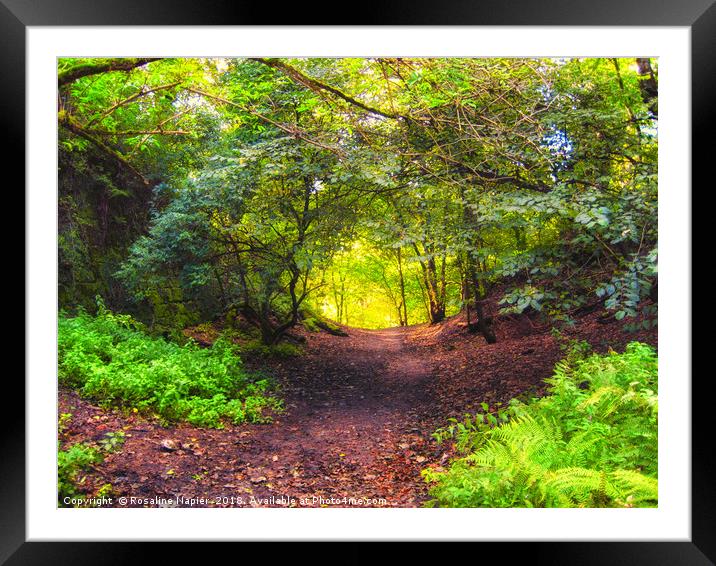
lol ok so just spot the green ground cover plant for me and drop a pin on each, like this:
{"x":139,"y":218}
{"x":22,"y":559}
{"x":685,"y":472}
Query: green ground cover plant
{"x":591,"y":442}
{"x":111,"y":359}
{"x":76,"y":459}
{"x":70,"y":465}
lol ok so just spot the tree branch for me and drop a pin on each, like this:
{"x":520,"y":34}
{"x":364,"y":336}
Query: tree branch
{"x":132,"y":98}
{"x":317,"y":86}
{"x":72,"y":126}
{"x":293,"y":130}
{"x":105,"y":66}
{"x":141,"y":133}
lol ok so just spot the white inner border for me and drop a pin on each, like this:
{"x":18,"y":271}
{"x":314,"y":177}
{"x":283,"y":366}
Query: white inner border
{"x":671,"y":521}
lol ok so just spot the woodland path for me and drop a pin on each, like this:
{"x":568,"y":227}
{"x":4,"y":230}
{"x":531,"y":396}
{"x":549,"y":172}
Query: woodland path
{"x":353,"y":428}
{"x":360,"y":411}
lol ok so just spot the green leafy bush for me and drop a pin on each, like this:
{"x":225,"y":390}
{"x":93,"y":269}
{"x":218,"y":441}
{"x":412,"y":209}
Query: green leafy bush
{"x":111,"y":359}
{"x":591,"y":442}
{"x":70,"y":463}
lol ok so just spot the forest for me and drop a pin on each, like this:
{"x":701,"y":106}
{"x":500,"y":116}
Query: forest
{"x":357,"y":282}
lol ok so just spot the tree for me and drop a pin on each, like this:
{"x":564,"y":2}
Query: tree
{"x":422,"y":183}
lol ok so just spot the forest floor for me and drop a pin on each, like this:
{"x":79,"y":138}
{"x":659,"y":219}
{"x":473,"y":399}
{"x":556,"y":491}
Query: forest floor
{"x":360,"y":411}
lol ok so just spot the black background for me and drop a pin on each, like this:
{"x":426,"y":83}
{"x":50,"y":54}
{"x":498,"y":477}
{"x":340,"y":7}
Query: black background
{"x":16,"y":15}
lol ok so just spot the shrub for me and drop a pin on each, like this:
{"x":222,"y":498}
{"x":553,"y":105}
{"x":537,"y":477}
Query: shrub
{"x":111,"y":359}
{"x":591,"y":442}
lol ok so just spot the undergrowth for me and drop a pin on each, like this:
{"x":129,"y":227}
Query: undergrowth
{"x":248,"y":343}
{"x":591,"y":442}
{"x":280,"y":350}
{"x":112,"y":360}
{"x":70,"y":465}
{"x":78,"y":458}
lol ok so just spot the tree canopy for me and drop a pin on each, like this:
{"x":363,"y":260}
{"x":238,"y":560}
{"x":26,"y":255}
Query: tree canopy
{"x":374,"y":192}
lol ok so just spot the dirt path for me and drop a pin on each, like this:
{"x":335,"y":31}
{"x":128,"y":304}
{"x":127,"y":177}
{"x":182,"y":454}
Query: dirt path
{"x":353,"y":429}
{"x":360,"y":411}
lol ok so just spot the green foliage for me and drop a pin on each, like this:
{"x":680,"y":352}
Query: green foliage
{"x":111,"y":359}
{"x":591,"y":442}
{"x":78,"y":458}
{"x":572,"y":349}
{"x":70,"y":464}
{"x":112,"y":441}
{"x":381,"y":191}
{"x":105,"y":160}
{"x":363,"y":282}
{"x":246,"y":231}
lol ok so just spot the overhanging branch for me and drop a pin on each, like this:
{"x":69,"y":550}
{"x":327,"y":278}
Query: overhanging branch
{"x":317,"y":86}
{"x":289,"y":129}
{"x":105,"y":66}
{"x":72,"y":126}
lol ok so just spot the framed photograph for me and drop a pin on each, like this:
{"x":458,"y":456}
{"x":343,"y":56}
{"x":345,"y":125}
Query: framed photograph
{"x":389,"y":281}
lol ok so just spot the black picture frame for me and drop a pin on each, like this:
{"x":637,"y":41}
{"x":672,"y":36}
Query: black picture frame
{"x":699,"y":15}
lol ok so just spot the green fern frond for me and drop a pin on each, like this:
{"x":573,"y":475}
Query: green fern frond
{"x":592,"y":442}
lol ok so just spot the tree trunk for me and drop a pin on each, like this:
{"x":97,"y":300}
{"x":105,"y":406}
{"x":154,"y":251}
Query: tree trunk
{"x":648,"y":85}
{"x":474,"y":285}
{"x":437,"y":312}
{"x":483,"y":325}
{"x":404,"y":318}
{"x":436,"y":295}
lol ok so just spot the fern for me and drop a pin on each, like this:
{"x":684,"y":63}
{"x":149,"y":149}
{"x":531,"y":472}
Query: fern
{"x":591,"y":442}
